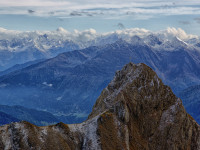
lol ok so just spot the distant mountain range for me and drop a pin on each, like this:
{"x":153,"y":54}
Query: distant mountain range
{"x":10,"y":114}
{"x":68,"y":85}
{"x":6,"y":119}
{"x":20,"y":47}
{"x":19,"y":66}
{"x":191,"y":101}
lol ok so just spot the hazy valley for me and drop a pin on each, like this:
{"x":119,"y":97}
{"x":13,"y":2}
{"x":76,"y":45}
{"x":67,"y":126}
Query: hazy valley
{"x":68,"y":84}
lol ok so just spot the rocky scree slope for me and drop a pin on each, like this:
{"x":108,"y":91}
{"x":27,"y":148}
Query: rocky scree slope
{"x":135,"y":111}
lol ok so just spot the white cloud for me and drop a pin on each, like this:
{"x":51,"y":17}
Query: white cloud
{"x":86,"y":35}
{"x":63,"y":8}
{"x":32,"y":3}
{"x":90,"y":34}
{"x":175,"y":32}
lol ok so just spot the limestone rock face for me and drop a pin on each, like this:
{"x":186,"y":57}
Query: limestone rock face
{"x":135,"y":111}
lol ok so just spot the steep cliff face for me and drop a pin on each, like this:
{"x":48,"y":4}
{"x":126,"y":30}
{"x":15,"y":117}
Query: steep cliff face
{"x":136,"y":111}
{"x":147,"y":114}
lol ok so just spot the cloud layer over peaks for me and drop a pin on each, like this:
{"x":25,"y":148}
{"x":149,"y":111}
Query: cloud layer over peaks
{"x":73,"y":8}
{"x":91,"y":34}
{"x":180,"y":33}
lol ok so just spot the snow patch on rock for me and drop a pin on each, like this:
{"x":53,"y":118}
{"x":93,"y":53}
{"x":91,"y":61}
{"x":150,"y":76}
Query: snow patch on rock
{"x":89,"y":131}
{"x":169,"y":114}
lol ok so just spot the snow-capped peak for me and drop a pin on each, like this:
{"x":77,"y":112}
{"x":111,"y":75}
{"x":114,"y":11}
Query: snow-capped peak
{"x":10,"y":39}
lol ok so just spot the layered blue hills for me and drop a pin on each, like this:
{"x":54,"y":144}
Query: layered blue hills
{"x":10,"y":114}
{"x":68,"y":85}
{"x":6,"y":119}
{"x":191,"y":101}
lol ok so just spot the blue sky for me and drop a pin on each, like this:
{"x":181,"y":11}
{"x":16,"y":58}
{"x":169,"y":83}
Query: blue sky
{"x":101,"y":15}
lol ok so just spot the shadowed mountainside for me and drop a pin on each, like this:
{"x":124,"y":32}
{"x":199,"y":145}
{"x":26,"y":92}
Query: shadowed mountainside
{"x":191,"y":101}
{"x":19,"y":113}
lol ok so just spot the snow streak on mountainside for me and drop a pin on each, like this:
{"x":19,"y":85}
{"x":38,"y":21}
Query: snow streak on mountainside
{"x":20,"y":47}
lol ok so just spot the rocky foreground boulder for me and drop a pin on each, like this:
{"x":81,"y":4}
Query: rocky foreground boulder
{"x":136,"y":111}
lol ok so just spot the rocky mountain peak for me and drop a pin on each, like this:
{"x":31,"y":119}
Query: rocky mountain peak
{"x":151,"y":115}
{"x":135,"y":111}
{"x":139,"y":77}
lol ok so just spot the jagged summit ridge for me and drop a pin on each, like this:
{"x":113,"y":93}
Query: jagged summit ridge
{"x":151,"y":115}
{"x":130,"y":73}
{"x":136,"y":111}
